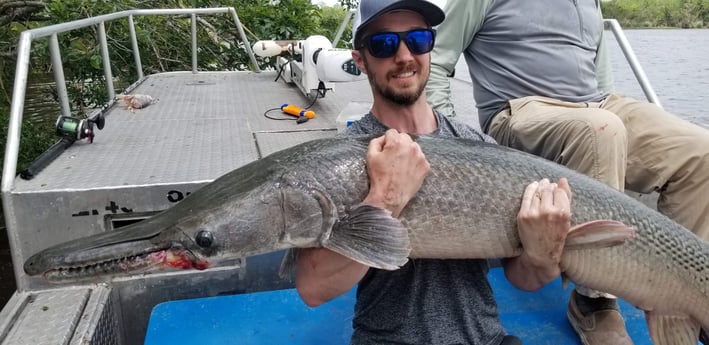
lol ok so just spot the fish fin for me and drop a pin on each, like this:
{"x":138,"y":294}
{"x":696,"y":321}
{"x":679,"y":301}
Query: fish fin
{"x":564,"y":281}
{"x":371,"y":236}
{"x":672,"y":329}
{"x":287,"y":268}
{"x":598,"y":234}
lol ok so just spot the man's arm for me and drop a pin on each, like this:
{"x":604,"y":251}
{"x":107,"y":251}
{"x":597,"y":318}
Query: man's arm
{"x":543,"y":221}
{"x":463,"y":19}
{"x":322,"y":275}
{"x":396,"y":167}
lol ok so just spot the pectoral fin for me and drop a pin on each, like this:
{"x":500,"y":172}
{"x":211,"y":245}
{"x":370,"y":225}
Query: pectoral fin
{"x":598,"y":234}
{"x":672,"y":329}
{"x":368,"y":235}
{"x":371,"y":236}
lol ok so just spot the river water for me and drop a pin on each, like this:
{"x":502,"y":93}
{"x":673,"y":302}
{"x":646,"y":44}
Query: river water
{"x":675,"y":62}
{"x":676,"y":65}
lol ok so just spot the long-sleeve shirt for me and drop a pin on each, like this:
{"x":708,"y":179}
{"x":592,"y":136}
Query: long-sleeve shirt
{"x":551,"y":48}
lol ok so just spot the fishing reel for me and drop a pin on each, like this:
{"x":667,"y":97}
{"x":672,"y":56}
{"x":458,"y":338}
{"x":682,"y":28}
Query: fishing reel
{"x":78,"y":129}
{"x":70,"y":129}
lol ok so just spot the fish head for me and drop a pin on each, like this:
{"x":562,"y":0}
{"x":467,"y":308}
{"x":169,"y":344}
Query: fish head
{"x":278,"y":216}
{"x":238,"y":215}
{"x":139,"y":247}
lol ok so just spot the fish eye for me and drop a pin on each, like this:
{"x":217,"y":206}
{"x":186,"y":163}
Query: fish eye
{"x":204,"y":238}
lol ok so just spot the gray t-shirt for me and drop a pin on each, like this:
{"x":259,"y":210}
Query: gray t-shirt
{"x":427,"y":301}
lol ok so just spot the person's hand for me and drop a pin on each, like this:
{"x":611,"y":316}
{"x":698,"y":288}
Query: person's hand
{"x":543,"y":221}
{"x":396,"y":167}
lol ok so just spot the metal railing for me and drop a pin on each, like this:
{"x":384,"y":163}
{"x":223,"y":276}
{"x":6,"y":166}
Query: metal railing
{"x":614,"y":26}
{"x":23,"y":61}
{"x":345,"y":21}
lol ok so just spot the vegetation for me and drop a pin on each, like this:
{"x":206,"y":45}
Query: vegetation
{"x":35,"y":138}
{"x":658,"y":13}
{"x":162,"y":42}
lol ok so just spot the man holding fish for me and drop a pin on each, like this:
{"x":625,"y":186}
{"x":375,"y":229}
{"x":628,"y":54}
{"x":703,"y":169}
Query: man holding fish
{"x":426,"y":301}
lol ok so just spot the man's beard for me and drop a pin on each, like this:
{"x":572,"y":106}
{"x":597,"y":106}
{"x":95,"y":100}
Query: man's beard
{"x":400,"y":98}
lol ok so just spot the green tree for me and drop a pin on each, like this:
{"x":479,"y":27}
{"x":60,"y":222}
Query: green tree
{"x":331,"y":19}
{"x":658,"y":13}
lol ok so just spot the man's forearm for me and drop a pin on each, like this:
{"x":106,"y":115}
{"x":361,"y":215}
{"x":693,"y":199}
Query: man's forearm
{"x":525,"y":276}
{"x":322,"y":275}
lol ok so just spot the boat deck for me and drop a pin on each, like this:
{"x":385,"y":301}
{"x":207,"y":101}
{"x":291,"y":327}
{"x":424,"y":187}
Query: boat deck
{"x":202,"y":126}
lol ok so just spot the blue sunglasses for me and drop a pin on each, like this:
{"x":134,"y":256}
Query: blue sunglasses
{"x":385,"y":44}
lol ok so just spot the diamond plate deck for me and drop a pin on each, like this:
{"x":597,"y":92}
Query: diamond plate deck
{"x":72,"y":316}
{"x":202,"y":126}
{"x":58,"y":312}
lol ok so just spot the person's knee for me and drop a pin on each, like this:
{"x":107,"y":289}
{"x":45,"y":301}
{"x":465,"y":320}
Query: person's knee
{"x":588,"y":123}
{"x":599,"y":132}
{"x":598,"y":147}
{"x":689,"y":153}
{"x":607,"y":128}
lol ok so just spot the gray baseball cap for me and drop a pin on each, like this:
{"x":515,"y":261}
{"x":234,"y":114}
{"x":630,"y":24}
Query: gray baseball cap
{"x":369,"y":10}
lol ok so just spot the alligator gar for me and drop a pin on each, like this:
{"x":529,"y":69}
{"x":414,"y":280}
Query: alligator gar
{"x":309,"y":195}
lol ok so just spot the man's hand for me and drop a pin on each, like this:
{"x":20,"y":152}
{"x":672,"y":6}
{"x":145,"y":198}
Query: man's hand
{"x":543,"y":221}
{"x":396,"y":167}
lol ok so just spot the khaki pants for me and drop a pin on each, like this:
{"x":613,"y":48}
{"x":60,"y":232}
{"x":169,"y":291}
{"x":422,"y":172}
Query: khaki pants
{"x":622,"y":142}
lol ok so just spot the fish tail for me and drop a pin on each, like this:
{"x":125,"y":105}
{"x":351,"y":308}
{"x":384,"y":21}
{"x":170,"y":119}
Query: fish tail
{"x":371,"y":236}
